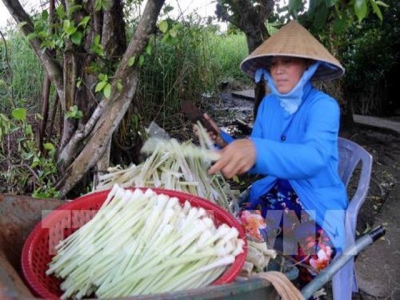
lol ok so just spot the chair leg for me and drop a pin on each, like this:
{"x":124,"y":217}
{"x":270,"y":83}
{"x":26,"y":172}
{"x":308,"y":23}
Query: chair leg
{"x":344,"y":282}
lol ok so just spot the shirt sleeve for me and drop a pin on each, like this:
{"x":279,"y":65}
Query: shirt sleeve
{"x":226,"y":137}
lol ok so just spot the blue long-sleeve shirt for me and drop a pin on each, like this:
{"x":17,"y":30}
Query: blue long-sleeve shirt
{"x":302,"y":148}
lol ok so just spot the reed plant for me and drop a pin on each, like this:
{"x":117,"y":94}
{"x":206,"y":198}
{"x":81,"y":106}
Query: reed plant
{"x":226,"y":53}
{"x":192,"y":67}
{"x":21,"y":74}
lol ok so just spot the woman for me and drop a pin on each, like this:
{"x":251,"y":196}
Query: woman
{"x":294,"y":143}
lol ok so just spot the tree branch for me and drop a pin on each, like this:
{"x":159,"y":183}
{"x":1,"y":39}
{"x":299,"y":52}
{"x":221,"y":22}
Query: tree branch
{"x":117,"y":105}
{"x":53,"y":69}
{"x":9,"y":68}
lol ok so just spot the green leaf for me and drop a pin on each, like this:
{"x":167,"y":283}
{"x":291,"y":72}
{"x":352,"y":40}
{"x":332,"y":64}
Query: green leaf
{"x":148,"y":49}
{"x":38,"y":116}
{"x":66,"y":25}
{"x":381,"y":3}
{"x":50,"y":147}
{"x":27,"y":155}
{"x":4,"y":118}
{"x":312,"y":4}
{"x":28,"y":129}
{"x":74,"y":112}
{"x":167,"y":9}
{"x":76,"y":38}
{"x":97,"y":39}
{"x":101,"y":5}
{"x":60,"y":12}
{"x":103,"y":77}
{"x":294,"y":5}
{"x":376,"y":9}
{"x":32,"y":35}
{"x":173,"y":32}
{"x":330,"y":3}
{"x":84,"y":22}
{"x":131,"y":61}
{"x":340,"y":25}
{"x":96,"y":47}
{"x":119,"y":86}
{"x":71,"y":30}
{"x":45,"y":15}
{"x":100,"y":86}
{"x":73,"y":8}
{"x":174,"y":40}
{"x":361,"y":9}
{"x":43,"y":34}
{"x":98,"y":50}
{"x":141,"y":60}
{"x":21,"y":139}
{"x":163,"y":26}
{"x":19,"y":114}
{"x":321,"y":14}
{"x":107,"y":90}
{"x":60,"y":43}
{"x":39,"y":195}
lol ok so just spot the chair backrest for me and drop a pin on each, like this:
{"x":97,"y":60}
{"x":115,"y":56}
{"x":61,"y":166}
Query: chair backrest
{"x":344,"y":282}
{"x":350,"y":155}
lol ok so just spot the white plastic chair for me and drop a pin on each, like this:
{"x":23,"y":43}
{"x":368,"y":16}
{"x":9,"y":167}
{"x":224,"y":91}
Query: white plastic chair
{"x":350,"y":155}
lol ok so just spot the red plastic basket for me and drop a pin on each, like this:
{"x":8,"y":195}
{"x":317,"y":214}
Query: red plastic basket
{"x":39,"y":248}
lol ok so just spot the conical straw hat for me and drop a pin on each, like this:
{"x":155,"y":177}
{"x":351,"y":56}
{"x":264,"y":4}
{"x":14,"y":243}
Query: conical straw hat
{"x":293,"y":40}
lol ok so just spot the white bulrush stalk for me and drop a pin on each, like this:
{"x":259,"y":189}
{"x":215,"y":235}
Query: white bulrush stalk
{"x":173,"y":281}
{"x":141,"y":243}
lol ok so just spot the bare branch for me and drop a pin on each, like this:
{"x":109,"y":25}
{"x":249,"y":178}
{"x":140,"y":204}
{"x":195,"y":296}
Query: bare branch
{"x":9,"y":68}
{"x":65,"y":156}
{"x":53,"y":69}
{"x":115,"y":107}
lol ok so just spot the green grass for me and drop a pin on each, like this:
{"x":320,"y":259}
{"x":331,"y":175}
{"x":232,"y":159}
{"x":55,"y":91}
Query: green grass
{"x":21,"y":73}
{"x":194,"y":65}
{"x":228,"y":51}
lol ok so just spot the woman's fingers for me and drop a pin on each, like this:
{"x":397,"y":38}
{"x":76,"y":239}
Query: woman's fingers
{"x":236,"y":158}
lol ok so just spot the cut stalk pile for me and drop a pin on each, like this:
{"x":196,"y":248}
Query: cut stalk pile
{"x":174,"y":166}
{"x":143,"y":243}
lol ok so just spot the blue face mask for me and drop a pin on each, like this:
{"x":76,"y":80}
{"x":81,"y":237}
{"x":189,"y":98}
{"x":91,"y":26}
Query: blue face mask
{"x":291,"y":101}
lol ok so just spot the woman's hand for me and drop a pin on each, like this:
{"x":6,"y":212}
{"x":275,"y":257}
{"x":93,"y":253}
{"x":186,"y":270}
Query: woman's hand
{"x":236,"y":158}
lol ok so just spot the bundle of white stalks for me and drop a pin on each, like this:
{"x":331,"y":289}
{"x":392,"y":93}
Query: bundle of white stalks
{"x":175,"y":166}
{"x":258,"y":258}
{"x":140,"y":242}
